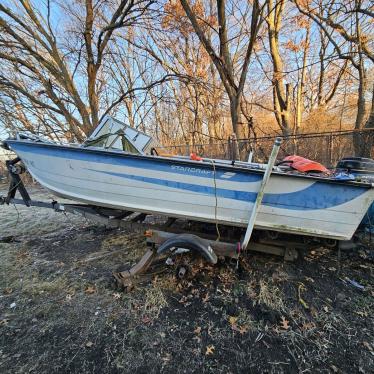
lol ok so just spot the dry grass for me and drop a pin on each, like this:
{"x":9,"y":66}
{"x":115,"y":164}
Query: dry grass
{"x":166,"y":282}
{"x":132,"y":244}
{"x":245,"y":318}
{"x":154,"y":301}
{"x":271,"y":296}
{"x":35,"y":286}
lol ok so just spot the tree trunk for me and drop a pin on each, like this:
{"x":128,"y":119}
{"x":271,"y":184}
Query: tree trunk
{"x":300,"y":86}
{"x":358,"y":145}
{"x":322,"y":57}
{"x":368,"y":136}
{"x":91,"y":66}
{"x":92,"y":94}
{"x":236,"y":117}
{"x":224,"y":61}
{"x":370,"y":121}
{"x":281,"y":92}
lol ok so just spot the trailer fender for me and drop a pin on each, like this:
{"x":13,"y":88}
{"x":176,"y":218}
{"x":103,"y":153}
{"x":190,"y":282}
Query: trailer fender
{"x":191,"y":243}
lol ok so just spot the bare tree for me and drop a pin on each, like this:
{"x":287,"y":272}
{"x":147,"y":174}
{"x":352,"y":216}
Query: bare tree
{"x":223,"y":60}
{"x":346,"y":25}
{"x":34,"y":55}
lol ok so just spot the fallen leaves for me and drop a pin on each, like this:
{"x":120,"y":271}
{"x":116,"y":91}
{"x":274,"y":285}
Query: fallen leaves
{"x":232,"y":320}
{"x":307,"y":326}
{"x":4,"y":322}
{"x":90,"y":290}
{"x":184,"y":300}
{"x":197,"y":331}
{"x":369,"y":347}
{"x":209,"y":350}
{"x":242,"y":329}
{"x":116,"y":295}
{"x":284,"y":324}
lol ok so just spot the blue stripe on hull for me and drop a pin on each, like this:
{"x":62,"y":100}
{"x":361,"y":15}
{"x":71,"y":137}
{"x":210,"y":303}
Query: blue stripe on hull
{"x":319,"y":195}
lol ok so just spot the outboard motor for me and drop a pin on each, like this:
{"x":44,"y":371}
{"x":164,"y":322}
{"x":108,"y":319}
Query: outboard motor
{"x":362,"y":169}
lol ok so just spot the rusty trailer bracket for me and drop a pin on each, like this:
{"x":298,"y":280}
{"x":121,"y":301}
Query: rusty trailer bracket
{"x":125,"y":278}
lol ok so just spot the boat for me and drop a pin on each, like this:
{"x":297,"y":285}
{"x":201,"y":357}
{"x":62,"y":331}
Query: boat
{"x":117,"y":168}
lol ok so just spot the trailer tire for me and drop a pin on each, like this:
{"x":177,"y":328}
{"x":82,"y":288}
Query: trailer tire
{"x":191,"y":243}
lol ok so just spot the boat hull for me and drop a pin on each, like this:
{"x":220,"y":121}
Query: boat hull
{"x":196,"y":190}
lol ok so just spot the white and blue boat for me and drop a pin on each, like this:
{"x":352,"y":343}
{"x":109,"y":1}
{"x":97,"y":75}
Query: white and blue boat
{"x":209,"y":190}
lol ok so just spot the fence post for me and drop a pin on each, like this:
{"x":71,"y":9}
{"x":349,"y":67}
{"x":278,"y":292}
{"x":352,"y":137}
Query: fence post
{"x":234,"y":147}
{"x":188,"y":149}
{"x":331,"y":150}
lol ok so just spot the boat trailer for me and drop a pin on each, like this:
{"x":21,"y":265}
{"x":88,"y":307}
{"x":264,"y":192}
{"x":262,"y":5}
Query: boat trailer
{"x":171,"y":237}
{"x":168,"y":237}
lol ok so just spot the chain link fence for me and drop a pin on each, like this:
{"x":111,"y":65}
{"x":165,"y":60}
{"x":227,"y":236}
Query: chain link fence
{"x":326,"y":148}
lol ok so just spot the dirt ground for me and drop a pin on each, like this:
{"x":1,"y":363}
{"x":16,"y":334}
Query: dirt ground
{"x":60,"y":313}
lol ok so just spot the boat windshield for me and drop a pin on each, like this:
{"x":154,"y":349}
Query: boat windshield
{"x":114,"y":134}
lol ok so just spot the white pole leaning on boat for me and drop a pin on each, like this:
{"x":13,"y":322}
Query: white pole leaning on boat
{"x":260,"y":194}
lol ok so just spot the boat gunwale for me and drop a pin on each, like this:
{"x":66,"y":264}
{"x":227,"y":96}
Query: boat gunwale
{"x":188,"y":162}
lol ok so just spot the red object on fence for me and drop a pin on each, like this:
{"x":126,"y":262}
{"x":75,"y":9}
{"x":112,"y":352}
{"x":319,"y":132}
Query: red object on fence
{"x":304,"y":165}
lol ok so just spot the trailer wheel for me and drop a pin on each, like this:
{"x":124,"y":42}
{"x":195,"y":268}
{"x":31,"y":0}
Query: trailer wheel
{"x":188,"y":242}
